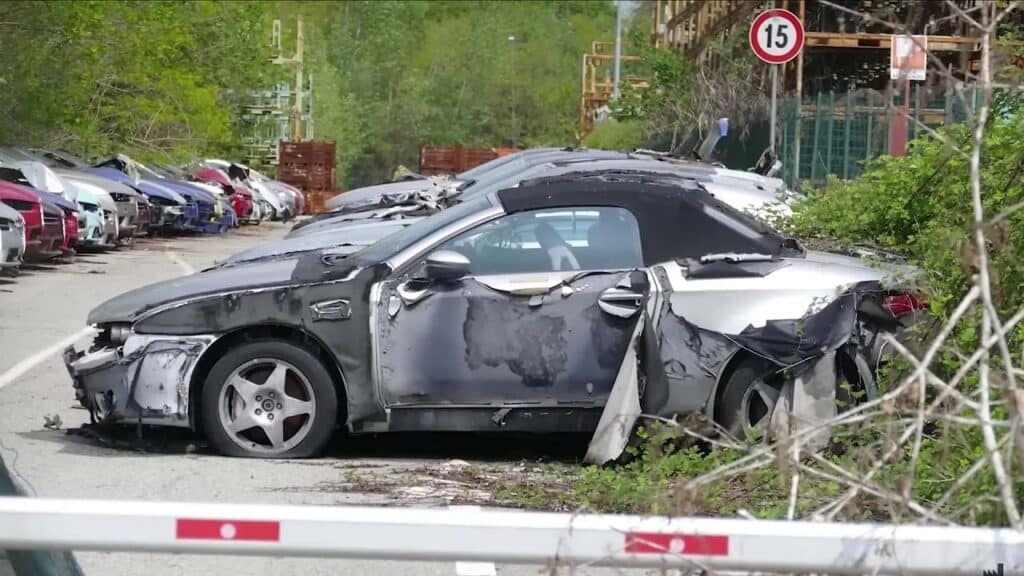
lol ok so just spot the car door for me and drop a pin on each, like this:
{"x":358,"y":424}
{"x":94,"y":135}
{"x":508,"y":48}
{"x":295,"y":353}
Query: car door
{"x":543,"y":317}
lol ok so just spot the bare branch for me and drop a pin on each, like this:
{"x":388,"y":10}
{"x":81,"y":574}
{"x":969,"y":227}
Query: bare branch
{"x":984,"y":281}
{"x":964,"y":16}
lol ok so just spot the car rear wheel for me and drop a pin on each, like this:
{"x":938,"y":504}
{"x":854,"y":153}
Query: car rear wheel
{"x":269,"y":399}
{"x":748,"y":399}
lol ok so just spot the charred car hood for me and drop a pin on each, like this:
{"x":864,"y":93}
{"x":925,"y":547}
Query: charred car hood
{"x":128,"y":306}
{"x":386,"y":215}
{"x":352,"y":236}
{"x":382,"y":194}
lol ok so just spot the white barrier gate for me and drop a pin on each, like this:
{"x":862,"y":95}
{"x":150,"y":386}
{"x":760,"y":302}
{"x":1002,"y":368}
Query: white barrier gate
{"x":505,"y":536}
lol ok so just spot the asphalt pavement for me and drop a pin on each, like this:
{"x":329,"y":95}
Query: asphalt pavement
{"x":45,"y":308}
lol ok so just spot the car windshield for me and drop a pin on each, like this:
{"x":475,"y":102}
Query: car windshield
{"x":146,"y":170}
{"x":506,"y":180}
{"x":158,"y":171}
{"x":395,"y":243}
{"x":751,"y":228}
{"x":487,"y":181}
{"x":11,"y":154}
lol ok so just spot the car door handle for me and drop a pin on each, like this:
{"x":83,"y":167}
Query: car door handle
{"x":331,"y":310}
{"x":620,"y":302}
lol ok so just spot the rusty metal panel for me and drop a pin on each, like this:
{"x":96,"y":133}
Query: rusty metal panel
{"x":437,"y":160}
{"x":307,"y":165}
{"x":310,"y":167}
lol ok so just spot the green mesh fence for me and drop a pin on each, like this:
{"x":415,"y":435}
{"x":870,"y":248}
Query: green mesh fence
{"x":839,"y":132}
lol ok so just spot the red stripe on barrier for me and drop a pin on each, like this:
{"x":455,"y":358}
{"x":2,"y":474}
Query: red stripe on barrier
{"x":245,"y":530}
{"x":684,"y":544}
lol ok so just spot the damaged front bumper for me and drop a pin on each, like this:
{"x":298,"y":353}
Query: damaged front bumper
{"x":144,"y":381}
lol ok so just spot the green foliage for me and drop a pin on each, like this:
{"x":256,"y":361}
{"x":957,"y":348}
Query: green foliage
{"x":670,"y":101}
{"x":392,"y":76}
{"x":163,"y":78}
{"x":615,"y":135}
{"x":920,"y":204}
{"x":156,"y":79}
{"x":684,"y":96}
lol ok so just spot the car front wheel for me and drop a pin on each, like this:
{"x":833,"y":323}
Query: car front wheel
{"x":269,"y":399}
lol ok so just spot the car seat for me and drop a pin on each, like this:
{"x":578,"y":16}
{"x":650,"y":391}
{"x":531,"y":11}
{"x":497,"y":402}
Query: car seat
{"x":558,"y":249}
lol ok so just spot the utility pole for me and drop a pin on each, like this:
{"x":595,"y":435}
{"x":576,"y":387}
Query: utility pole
{"x":515,"y":78}
{"x":297,"y":113}
{"x":618,"y":48}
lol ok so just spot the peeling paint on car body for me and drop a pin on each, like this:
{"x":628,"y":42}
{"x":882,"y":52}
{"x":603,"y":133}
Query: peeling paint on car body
{"x":536,"y":352}
{"x":146,"y":380}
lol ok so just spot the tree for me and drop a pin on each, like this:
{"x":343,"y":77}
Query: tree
{"x":157,"y":79}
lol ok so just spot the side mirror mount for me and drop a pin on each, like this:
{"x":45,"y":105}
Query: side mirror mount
{"x":639,"y":281}
{"x":447,"y":266}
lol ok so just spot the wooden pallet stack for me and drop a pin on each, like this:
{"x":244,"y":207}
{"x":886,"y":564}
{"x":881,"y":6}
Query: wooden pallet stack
{"x":436,"y":160}
{"x":309,"y":166}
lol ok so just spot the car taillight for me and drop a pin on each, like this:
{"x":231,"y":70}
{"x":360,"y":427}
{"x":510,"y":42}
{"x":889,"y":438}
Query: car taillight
{"x":900,"y":304}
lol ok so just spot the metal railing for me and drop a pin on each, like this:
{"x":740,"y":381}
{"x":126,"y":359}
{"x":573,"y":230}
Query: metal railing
{"x":837,"y":133}
{"x":515,"y":537}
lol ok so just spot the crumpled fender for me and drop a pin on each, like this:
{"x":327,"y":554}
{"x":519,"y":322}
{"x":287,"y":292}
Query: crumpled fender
{"x":807,"y":348}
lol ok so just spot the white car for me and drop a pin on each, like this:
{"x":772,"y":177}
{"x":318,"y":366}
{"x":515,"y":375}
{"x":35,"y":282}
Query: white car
{"x":12,"y":238}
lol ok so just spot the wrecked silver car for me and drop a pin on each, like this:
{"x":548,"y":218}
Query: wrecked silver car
{"x":567,"y":304}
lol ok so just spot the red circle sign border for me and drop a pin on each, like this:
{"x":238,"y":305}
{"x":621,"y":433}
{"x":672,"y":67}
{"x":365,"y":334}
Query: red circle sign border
{"x":780,"y":13}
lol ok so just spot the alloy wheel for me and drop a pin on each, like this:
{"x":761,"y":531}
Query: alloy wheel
{"x":757,"y":405}
{"x":267,"y":406}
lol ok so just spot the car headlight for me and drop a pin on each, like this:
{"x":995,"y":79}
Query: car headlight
{"x":119,"y":333}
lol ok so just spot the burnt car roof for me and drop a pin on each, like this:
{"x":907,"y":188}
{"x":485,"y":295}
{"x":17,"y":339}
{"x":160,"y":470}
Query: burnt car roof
{"x":676,"y":215}
{"x":628,"y":189}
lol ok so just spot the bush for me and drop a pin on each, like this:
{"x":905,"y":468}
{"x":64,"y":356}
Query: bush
{"x":919,"y":205}
{"x":615,"y":135}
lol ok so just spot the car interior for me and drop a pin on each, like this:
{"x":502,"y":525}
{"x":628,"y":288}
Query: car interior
{"x":552,"y":240}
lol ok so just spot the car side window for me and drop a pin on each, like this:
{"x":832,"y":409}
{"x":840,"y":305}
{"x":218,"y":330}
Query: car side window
{"x":552,"y":240}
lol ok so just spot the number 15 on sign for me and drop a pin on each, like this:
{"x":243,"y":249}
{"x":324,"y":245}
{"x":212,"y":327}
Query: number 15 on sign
{"x":776,"y":37}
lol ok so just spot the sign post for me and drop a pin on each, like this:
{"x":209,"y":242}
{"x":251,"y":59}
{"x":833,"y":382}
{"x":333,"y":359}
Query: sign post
{"x":908,"y":60}
{"x":776,"y":37}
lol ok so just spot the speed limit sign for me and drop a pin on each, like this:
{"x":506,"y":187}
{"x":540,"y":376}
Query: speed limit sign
{"x":776,"y":36}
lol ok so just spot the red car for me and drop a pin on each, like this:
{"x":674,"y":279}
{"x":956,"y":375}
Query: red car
{"x":241,"y":198}
{"x":44,"y":222}
{"x":241,"y":203}
{"x":70,"y":232}
{"x":68,"y":218}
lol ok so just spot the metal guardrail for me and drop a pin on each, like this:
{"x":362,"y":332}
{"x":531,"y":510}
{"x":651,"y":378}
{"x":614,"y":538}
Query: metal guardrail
{"x":553,"y":539}
{"x":31,"y":562}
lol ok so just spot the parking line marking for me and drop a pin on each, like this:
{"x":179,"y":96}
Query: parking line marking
{"x":19,"y":369}
{"x":475,"y":569}
{"x":177,"y":260}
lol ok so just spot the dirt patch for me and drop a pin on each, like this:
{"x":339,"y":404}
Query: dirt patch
{"x":456,"y":482}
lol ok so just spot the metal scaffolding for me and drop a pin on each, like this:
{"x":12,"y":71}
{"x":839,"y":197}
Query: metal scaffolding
{"x":284,"y":112}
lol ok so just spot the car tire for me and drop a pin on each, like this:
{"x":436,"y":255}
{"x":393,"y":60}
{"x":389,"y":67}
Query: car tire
{"x":269,"y":399}
{"x":748,"y":397}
